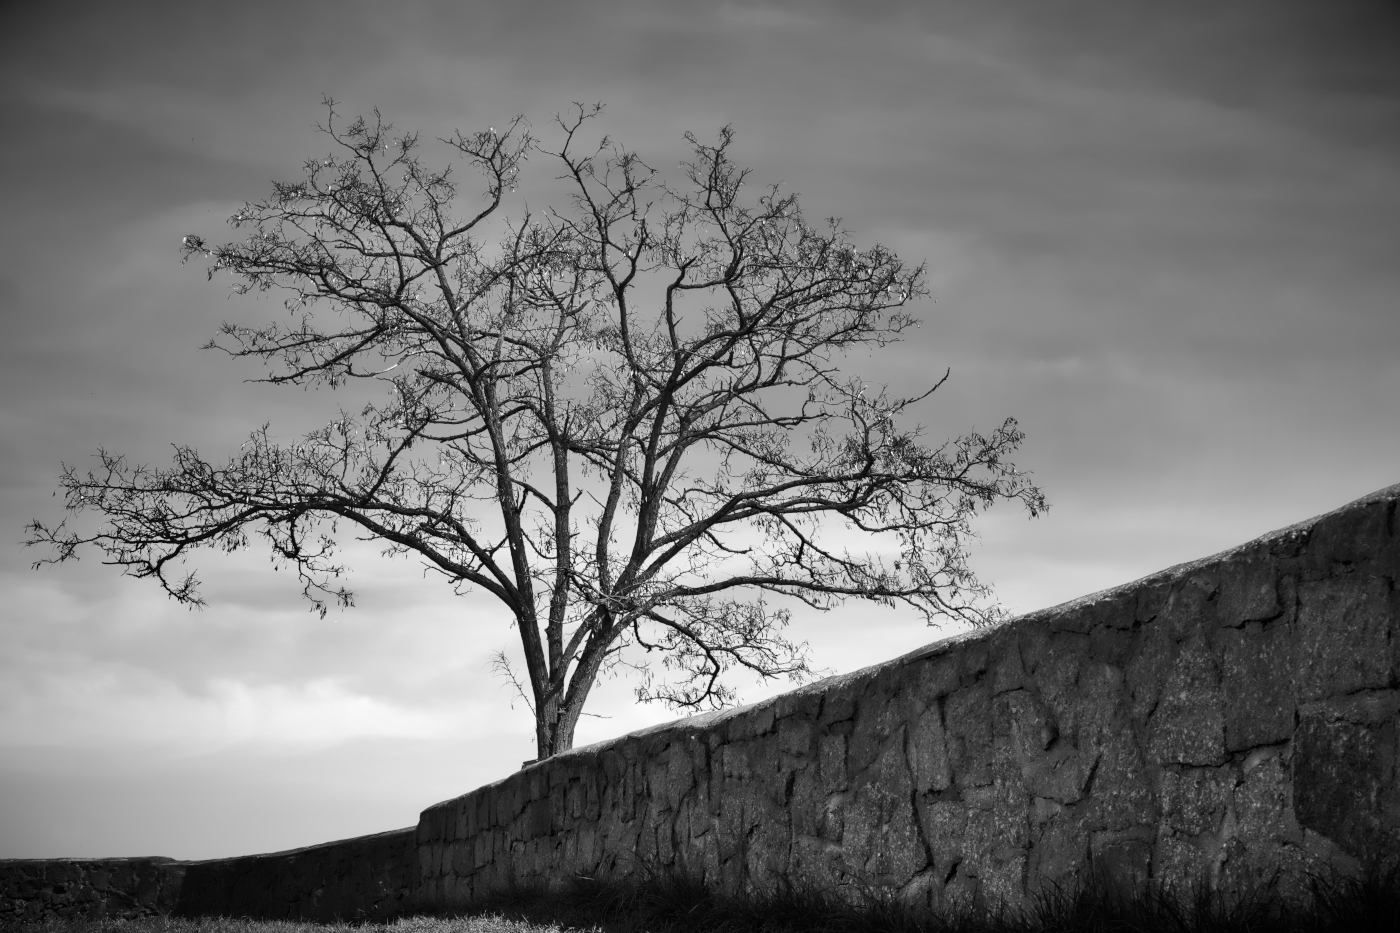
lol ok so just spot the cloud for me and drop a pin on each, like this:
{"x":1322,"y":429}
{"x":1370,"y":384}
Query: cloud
{"x":99,"y":704}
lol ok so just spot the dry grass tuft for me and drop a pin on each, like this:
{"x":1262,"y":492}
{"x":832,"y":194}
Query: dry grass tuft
{"x":660,"y":904}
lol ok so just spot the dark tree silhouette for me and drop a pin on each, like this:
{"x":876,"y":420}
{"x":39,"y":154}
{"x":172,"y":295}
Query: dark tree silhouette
{"x":624,"y":418}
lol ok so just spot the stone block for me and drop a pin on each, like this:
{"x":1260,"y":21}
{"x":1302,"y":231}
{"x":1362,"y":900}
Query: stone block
{"x":1119,"y":793}
{"x":1032,"y":636}
{"x":968,"y":720}
{"x":1263,"y":804}
{"x":1111,"y":646}
{"x":831,"y":821}
{"x":680,"y":777}
{"x":1151,"y":597}
{"x":944,"y":825}
{"x":738,"y":760}
{"x":1077,"y":618}
{"x":839,"y":703}
{"x":897,"y":851}
{"x":666,"y":842}
{"x":891,"y":771}
{"x":937,"y":676}
{"x":1059,"y":854}
{"x":861,"y":817}
{"x":1188,"y":725}
{"x":878,"y":716}
{"x":538,"y":820}
{"x":1007,"y":671}
{"x":462,"y":859}
{"x":814,"y":862}
{"x":920,"y":892}
{"x":831,"y":756}
{"x":1148,"y":667}
{"x":1257,"y":680}
{"x":757,"y":721}
{"x":1059,"y":774}
{"x":1125,"y":860}
{"x":1116,"y":611}
{"x":1031,"y":724}
{"x":998,"y":814}
{"x":1249,"y":592}
{"x":1364,"y":706}
{"x":1010,"y":809}
{"x":1190,"y":604}
{"x":1056,"y":678}
{"x":928,"y":752}
{"x":1343,"y":634}
{"x":1178,"y":864}
{"x":1193,"y":602}
{"x":1353,"y":537}
{"x":795,"y":737}
{"x":973,"y":659}
{"x":1195,"y":800}
{"x":805,"y":805}
{"x":1344,"y":784}
{"x":1101,"y":682}
{"x":1001,"y":878}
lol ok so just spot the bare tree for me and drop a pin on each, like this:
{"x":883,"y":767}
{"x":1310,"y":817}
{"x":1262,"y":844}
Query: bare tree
{"x":624,"y":418}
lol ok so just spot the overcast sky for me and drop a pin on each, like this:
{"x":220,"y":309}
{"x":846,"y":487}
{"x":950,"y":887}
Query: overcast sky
{"x":1164,"y":236}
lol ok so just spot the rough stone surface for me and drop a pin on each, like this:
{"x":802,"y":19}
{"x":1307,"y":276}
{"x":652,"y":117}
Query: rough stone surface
{"x":355,"y":879}
{"x":1231,"y":720}
{"x":54,"y":889}
{"x":1219,"y":721}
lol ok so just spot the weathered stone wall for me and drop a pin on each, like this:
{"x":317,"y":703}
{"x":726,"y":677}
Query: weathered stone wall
{"x":47,"y":889}
{"x":1223,"y":719}
{"x":354,"y":879}
{"x":365,"y":878}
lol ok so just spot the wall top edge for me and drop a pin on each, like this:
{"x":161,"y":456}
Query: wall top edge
{"x":405,"y":831}
{"x":1186,"y":568}
{"x":97,"y":859}
{"x":949,"y":643}
{"x":175,"y":862}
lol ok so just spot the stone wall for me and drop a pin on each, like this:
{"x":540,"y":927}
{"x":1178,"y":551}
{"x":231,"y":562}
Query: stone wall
{"x":366,"y":878}
{"x":1224,"y":719}
{"x":47,"y":889}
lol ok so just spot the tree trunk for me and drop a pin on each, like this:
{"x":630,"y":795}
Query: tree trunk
{"x":554,"y":730}
{"x":547,"y":729}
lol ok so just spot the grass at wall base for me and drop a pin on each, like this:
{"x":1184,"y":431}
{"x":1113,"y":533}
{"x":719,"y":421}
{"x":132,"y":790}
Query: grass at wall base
{"x":661,"y":904}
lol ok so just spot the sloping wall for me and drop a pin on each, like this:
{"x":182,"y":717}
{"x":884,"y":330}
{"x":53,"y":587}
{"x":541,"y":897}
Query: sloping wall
{"x":366,"y":878}
{"x":45,"y":889}
{"x":1223,"y":719}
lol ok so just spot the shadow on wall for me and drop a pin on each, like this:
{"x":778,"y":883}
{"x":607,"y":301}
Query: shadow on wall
{"x":369,"y":877}
{"x":1227,"y":720}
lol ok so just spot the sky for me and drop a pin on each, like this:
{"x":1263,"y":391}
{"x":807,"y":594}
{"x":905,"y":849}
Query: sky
{"x":1164,"y":237}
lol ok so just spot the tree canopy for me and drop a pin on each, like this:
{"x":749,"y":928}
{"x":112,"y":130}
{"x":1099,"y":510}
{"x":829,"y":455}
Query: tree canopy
{"x":623,"y":416}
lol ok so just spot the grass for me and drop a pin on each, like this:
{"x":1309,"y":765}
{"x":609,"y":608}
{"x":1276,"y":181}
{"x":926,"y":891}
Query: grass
{"x":664,"y":905}
{"x":485,"y":923}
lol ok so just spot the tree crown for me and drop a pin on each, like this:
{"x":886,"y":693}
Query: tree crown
{"x":625,"y":417}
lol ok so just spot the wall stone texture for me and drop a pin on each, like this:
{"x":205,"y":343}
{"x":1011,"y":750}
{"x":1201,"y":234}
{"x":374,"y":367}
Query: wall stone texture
{"x":366,"y":878}
{"x":1228,"y":720}
{"x":1222,"y":720}
{"x":50,"y":889}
